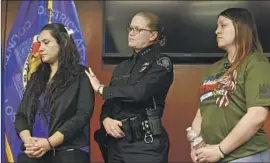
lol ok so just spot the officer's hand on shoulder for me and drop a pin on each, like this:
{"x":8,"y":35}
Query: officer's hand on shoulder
{"x":112,"y":127}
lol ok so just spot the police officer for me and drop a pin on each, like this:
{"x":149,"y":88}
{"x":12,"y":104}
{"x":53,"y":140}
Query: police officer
{"x":135,"y":98}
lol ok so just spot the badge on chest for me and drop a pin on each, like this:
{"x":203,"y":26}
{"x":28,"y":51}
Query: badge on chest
{"x":144,"y":66}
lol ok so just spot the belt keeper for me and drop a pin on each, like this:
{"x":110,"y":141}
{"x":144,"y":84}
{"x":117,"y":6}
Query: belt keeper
{"x":51,"y":147}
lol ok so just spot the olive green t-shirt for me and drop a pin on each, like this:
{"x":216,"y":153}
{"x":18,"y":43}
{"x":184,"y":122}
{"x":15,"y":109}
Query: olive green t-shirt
{"x":223,"y":105}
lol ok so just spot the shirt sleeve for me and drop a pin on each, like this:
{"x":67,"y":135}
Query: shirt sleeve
{"x":85,"y":108}
{"x":257,"y":82}
{"x":106,"y":110}
{"x":160,"y":76}
{"x":23,"y":113}
{"x":108,"y":103}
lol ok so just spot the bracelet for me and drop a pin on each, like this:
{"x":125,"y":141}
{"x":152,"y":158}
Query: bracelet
{"x":220,"y":152}
{"x":51,"y":147}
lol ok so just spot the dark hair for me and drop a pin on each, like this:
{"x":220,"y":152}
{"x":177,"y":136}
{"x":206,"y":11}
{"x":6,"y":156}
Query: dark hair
{"x":155,"y":25}
{"x":246,"y":37}
{"x":67,"y":72}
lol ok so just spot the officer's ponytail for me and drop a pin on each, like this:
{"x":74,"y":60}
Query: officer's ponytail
{"x":161,"y":37}
{"x":155,"y":25}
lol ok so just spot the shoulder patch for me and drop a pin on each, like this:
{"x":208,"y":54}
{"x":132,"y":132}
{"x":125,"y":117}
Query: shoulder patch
{"x":165,"y":62}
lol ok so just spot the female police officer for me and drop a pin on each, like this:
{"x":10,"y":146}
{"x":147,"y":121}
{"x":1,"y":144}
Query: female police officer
{"x":135,"y":98}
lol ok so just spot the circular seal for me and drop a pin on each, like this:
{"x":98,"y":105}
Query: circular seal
{"x":25,"y":71}
{"x":32,"y":61}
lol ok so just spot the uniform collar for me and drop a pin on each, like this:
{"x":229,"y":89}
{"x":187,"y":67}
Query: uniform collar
{"x":146,"y":53}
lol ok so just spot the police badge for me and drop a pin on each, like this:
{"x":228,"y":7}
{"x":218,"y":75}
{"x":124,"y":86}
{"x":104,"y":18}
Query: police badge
{"x":144,"y":66}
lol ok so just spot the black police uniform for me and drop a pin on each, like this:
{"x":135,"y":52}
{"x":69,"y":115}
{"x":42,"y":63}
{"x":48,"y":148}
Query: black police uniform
{"x":136,"y":84}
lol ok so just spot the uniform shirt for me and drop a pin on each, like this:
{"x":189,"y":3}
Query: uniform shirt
{"x":221,"y":109}
{"x":135,"y":81}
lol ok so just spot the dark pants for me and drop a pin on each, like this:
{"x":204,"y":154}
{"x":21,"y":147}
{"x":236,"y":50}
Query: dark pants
{"x":121,"y":151}
{"x":63,"y":156}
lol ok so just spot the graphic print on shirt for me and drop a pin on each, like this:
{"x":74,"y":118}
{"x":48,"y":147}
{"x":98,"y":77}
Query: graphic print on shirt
{"x":218,"y":88}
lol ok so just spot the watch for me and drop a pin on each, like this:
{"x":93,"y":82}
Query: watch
{"x":100,"y":88}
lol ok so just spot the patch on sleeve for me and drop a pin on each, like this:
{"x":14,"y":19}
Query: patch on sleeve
{"x":166,"y":63}
{"x":264,"y":91}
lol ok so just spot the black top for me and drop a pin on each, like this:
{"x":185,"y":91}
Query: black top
{"x":135,"y":81}
{"x":73,"y":109}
